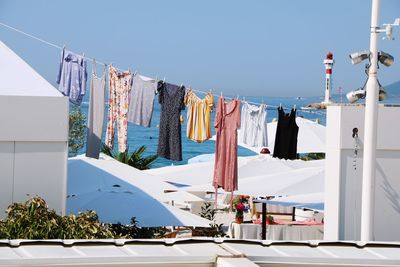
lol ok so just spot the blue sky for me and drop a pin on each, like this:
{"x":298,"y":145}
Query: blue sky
{"x":260,"y":47}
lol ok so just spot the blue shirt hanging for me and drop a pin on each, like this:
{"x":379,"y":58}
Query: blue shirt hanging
{"x":72,"y":76}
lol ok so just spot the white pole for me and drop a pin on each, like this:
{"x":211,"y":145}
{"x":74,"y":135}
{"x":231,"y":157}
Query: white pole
{"x":371,"y":121}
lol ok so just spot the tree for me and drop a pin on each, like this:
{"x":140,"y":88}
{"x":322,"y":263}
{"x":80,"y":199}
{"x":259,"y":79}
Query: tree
{"x":76,"y":135}
{"x":134,"y":159}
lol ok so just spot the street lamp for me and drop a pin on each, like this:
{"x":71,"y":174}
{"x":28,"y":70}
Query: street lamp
{"x":371,"y":121}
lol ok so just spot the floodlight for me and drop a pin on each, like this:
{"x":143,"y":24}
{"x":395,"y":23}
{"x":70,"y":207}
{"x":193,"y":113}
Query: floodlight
{"x":385,"y":58}
{"x":382,"y":92}
{"x":355,"y":95}
{"x":361,"y":93}
{"x":357,"y":57}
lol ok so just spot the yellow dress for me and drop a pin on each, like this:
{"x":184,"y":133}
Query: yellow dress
{"x":198,"y":116}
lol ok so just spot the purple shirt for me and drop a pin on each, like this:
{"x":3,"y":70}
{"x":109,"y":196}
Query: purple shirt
{"x":72,"y":76}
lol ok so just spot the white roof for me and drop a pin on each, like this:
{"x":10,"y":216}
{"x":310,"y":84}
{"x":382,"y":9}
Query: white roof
{"x":196,"y":252}
{"x":17,"y":78}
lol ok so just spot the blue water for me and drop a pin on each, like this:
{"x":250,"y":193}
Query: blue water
{"x":138,"y":135}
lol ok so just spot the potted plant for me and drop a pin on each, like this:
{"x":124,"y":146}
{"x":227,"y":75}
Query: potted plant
{"x":239,"y":212}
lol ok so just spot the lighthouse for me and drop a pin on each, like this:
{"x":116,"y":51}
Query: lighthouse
{"x":328,"y":62}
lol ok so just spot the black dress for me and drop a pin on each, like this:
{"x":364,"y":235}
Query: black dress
{"x":286,"y":135}
{"x":169,"y":141}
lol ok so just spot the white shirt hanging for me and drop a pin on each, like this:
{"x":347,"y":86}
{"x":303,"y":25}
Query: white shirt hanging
{"x":253,"y":130}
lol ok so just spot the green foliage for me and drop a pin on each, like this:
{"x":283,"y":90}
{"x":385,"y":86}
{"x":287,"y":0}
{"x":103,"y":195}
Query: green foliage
{"x":313,"y":156}
{"x":34,"y":220}
{"x":215,"y":230}
{"x":76,"y":135}
{"x":134,"y":159}
{"x":134,"y":231}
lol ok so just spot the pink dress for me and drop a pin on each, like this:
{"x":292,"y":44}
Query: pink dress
{"x":227,"y":121}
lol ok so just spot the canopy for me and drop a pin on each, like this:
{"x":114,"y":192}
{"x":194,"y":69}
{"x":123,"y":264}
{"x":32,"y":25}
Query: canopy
{"x":202,"y":173}
{"x":87,"y":175}
{"x":311,"y":137}
{"x":294,"y":182}
{"x":118,"y":204}
{"x":314,"y":201}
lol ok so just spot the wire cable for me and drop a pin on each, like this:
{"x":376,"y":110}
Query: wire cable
{"x":105,"y":64}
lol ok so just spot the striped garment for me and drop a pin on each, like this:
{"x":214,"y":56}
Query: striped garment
{"x":198,"y":116}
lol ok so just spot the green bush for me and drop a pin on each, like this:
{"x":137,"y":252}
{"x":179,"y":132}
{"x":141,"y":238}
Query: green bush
{"x":135,"y":159}
{"x":34,"y":220}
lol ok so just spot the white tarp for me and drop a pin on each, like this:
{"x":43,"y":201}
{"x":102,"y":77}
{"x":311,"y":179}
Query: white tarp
{"x":294,"y":182}
{"x":314,"y":201}
{"x":118,"y":192}
{"x":202,"y":173}
{"x":119,"y":204}
{"x":87,"y":175}
{"x":311,"y":137}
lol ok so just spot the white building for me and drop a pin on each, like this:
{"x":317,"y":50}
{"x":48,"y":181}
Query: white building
{"x":343,"y":181}
{"x":33,"y":135}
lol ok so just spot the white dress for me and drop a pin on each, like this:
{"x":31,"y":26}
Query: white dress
{"x":253,"y":130}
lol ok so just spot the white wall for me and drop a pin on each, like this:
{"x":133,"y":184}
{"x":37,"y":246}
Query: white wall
{"x":33,"y":150}
{"x":343,"y":179}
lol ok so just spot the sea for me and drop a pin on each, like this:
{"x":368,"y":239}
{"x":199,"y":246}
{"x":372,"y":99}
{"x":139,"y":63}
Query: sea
{"x":138,"y":135}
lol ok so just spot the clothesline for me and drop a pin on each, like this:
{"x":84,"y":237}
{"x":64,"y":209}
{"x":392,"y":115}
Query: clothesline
{"x":105,"y":64}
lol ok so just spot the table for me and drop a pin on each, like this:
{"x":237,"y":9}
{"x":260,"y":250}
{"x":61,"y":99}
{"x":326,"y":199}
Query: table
{"x":276,"y":231}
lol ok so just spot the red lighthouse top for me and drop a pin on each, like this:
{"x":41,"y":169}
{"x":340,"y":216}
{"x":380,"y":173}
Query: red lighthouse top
{"x":329,"y":55}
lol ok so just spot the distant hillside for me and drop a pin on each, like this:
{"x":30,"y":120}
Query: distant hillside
{"x":393,"y":90}
{"x":394,"y":87}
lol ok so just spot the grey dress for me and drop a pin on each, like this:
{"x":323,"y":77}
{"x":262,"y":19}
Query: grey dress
{"x":170,"y":141}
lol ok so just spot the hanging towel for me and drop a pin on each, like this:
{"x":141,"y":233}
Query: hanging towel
{"x":198,"y":116}
{"x":96,"y":113}
{"x":171,"y":98}
{"x":286,"y":135}
{"x":253,"y":130}
{"x":72,"y":76}
{"x":227,"y":121}
{"x":120,"y":84}
{"x":142,"y":100}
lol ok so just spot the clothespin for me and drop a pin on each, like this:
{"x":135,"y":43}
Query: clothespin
{"x":237,"y":97}
{"x":294,"y":107}
{"x":181,"y":85}
{"x":164,"y":80}
{"x":280,"y":105}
